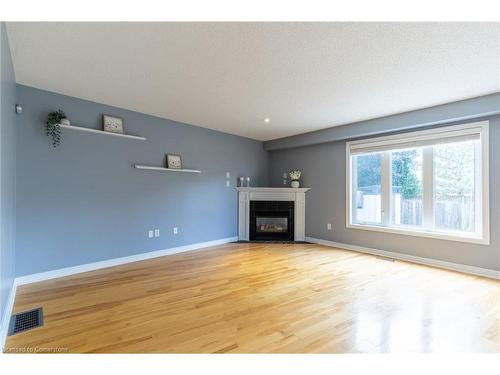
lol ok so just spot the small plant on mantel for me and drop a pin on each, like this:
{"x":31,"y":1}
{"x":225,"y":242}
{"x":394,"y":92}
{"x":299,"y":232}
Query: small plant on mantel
{"x":295,"y":176}
{"x":53,"y":128}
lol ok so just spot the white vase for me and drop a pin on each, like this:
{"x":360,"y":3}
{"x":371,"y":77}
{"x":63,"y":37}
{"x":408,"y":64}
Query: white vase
{"x":65,"y":121}
{"x":295,"y":184}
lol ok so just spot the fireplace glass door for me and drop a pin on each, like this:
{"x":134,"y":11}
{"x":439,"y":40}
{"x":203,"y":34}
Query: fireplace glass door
{"x":271,"y":220}
{"x":271,"y":224}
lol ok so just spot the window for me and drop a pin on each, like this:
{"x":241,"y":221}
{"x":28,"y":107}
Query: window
{"x":368,"y":194}
{"x":406,"y":187}
{"x":431,"y":183}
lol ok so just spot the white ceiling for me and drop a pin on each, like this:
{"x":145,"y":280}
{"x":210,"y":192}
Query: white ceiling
{"x":230,"y":76}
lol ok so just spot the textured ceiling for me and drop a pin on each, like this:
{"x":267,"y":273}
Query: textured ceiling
{"x":230,"y":76}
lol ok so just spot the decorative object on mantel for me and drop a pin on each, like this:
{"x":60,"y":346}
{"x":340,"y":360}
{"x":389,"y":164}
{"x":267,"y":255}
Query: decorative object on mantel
{"x":244,"y":182}
{"x":112,"y":124}
{"x":54,"y":120}
{"x":174,"y":161}
{"x":295,"y":176}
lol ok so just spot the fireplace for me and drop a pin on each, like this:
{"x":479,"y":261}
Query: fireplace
{"x":268,"y":203}
{"x":271,"y":221}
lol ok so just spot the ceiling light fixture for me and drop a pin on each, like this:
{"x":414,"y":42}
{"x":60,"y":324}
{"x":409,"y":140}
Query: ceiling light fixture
{"x":266,"y":120}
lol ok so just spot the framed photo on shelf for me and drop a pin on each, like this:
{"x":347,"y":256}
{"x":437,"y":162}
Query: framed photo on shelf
{"x":174,"y":161}
{"x":112,"y":124}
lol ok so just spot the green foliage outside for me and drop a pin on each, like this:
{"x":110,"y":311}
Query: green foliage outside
{"x":369,"y":169}
{"x":404,"y":167}
{"x":453,"y":170}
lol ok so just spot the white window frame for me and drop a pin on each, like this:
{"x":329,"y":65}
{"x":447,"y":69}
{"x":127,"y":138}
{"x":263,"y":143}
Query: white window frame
{"x":482,"y":204}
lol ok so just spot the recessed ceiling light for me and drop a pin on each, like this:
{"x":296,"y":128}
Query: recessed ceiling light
{"x":267,"y":119}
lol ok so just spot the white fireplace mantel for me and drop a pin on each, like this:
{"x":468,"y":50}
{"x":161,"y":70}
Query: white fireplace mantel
{"x":247,"y":194}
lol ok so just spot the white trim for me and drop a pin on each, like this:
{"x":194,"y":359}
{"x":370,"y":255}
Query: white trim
{"x":485,"y":175}
{"x":428,"y":188}
{"x":478,"y":271}
{"x":300,"y":217}
{"x":242,"y":215}
{"x":273,"y":189}
{"x":349,"y":197}
{"x":7,"y":314}
{"x":385,"y":188}
{"x":481,"y":128}
{"x":102,"y":132}
{"x":42,"y":276}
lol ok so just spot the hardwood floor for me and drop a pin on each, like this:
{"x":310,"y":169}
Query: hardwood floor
{"x":263,"y":298}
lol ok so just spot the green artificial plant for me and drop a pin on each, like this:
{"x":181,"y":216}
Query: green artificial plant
{"x":53,"y":128}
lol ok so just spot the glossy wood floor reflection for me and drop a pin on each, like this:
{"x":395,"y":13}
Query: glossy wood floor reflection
{"x":264,"y":298}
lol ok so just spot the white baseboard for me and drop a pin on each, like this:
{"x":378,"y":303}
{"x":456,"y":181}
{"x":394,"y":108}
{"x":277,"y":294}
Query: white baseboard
{"x":42,"y":276}
{"x":7,"y":314}
{"x":411,"y":258}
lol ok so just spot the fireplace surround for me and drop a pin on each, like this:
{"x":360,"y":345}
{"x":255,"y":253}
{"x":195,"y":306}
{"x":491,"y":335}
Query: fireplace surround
{"x":272,"y":219}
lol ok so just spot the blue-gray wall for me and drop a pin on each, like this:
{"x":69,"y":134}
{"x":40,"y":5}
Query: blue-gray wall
{"x":84,"y":202}
{"x":7,"y":171}
{"x":324,"y":170}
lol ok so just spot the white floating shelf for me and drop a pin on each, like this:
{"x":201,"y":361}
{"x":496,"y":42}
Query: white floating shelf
{"x":138,"y":166}
{"x":102,"y":132}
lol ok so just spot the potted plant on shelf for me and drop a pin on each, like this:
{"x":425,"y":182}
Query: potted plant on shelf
{"x":295,"y":176}
{"x":54,"y":120}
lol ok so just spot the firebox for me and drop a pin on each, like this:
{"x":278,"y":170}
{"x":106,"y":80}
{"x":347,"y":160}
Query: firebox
{"x":271,"y":221}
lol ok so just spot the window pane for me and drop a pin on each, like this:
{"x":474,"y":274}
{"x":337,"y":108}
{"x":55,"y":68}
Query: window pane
{"x":454,"y":186}
{"x":366,"y":189}
{"x":406,"y":198}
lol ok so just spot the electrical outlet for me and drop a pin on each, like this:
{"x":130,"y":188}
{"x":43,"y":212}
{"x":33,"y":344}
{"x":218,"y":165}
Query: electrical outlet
{"x":284,"y":182}
{"x":228,"y":175}
{"x":329,"y":226}
{"x":157,"y":233}
{"x":228,"y":183}
{"x":150,"y":234}
{"x":175,"y":230}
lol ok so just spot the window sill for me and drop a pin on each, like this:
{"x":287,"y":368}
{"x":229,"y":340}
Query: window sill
{"x":419,"y":233}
